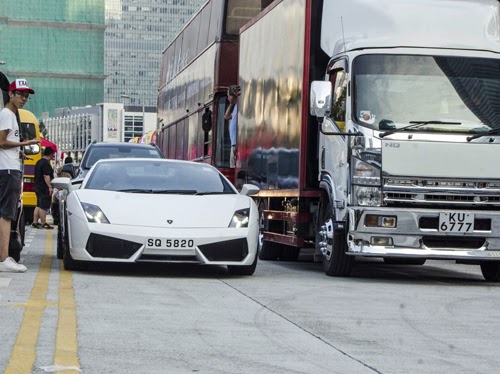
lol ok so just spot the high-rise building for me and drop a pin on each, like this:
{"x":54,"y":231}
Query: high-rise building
{"x":137,"y":32}
{"x":76,"y":53}
{"x":58,"y":46}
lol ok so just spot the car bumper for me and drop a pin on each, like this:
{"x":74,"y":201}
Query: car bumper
{"x":417,"y":235}
{"x":124,"y":243}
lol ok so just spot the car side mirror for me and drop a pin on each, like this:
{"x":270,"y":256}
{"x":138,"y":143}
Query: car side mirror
{"x":249,"y":189}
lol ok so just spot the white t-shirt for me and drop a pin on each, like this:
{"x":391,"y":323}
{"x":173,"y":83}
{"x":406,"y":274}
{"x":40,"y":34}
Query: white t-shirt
{"x":9,"y":158}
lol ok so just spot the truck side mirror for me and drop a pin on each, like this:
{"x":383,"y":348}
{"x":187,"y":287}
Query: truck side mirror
{"x":321,"y":98}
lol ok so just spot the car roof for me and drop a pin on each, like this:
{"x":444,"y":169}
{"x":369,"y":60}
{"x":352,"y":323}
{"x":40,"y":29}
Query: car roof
{"x":121,"y":144}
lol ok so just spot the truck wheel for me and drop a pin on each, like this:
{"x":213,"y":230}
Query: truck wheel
{"x":332,"y":244}
{"x":267,"y":250}
{"x":491,"y":270}
{"x":404,"y":261}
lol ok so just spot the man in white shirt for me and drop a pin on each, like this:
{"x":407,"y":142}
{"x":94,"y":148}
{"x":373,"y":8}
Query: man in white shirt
{"x":10,"y":168}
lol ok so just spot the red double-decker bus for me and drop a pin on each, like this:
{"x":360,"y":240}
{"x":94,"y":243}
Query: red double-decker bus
{"x":198,"y":66}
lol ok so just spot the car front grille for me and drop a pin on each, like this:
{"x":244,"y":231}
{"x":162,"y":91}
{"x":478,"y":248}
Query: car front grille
{"x":106,"y":246}
{"x":230,"y":250}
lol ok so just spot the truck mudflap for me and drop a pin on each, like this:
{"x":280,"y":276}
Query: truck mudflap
{"x":424,"y":233}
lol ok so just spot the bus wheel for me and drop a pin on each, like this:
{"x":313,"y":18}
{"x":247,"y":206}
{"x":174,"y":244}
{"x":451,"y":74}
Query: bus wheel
{"x":332,"y":243}
{"x":267,"y":250}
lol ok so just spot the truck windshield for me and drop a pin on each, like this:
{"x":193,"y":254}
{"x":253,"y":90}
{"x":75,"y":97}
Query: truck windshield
{"x":390,"y":91}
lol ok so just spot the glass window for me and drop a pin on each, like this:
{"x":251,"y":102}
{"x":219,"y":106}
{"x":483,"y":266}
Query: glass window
{"x":339,"y":80}
{"x":223,"y":142}
{"x":399,"y":89}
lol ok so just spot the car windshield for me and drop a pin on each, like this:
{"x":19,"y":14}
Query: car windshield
{"x":117,"y":151}
{"x":148,"y":176}
{"x":450,"y":94}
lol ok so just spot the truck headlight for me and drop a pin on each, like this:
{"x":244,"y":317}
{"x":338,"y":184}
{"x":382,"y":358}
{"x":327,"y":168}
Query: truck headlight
{"x":364,"y":173}
{"x":367,"y":196}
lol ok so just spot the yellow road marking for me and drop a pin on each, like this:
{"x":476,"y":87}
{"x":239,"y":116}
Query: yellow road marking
{"x":66,"y":353}
{"x":24,"y":351}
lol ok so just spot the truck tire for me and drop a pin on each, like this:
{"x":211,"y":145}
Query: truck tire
{"x":268,"y":251}
{"x":491,"y":270}
{"x":404,"y":261}
{"x":336,"y":263}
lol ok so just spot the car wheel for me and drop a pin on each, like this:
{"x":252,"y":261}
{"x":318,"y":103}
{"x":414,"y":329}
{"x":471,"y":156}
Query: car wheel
{"x":491,"y":270}
{"x":59,"y":247}
{"x":332,"y":243}
{"x":243,"y":270}
{"x":267,"y":250}
{"x":68,"y":262}
{"x":404,"y":261}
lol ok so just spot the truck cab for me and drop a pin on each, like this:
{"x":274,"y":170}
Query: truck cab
{"x":409,"y":118}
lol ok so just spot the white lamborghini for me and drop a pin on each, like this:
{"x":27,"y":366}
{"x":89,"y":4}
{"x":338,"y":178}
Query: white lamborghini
{"x":157,"y":210}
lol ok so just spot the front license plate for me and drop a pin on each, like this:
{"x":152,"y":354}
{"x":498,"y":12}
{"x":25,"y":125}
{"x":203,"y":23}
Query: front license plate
{"x":162,"y":243}
{"x":456,"y":222}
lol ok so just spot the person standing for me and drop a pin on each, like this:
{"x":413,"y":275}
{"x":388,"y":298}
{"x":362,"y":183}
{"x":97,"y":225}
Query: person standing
{"x":43,"y":189}
{"x":232,"y":114}
{"x":10,"y":168}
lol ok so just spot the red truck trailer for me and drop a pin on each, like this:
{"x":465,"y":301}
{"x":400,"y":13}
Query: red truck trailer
{"x":277,"y":139}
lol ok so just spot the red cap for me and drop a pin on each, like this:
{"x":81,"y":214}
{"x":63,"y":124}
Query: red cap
{"x":20,"y":85}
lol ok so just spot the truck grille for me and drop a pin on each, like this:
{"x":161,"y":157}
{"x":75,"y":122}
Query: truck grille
{"x":428,"y":192}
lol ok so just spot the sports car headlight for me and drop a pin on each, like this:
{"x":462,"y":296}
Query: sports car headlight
{"x":94,"y":214}
{"x":240,"y":218}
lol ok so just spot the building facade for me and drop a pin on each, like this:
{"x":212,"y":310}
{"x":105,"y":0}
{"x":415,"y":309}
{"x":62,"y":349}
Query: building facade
{"x":136,"y":34}
{"x":58,"y":46}
{"x":74,"y":129}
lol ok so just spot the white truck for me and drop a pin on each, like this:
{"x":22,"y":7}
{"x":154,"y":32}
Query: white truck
{"x":418,"y":84}
{"x":400,"y":161}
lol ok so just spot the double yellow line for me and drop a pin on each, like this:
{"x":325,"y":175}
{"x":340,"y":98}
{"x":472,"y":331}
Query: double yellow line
{"x":66,"y":350}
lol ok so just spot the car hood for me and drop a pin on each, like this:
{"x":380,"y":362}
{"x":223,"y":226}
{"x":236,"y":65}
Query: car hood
{"x":163,"y":210}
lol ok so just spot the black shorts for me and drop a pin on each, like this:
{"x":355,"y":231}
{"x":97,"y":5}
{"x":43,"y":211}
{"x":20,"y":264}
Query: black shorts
{"x":10,"y":190}
{"x":43,"y":198}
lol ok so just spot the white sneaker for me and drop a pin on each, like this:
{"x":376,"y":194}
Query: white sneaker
{"x":10,"y":265}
